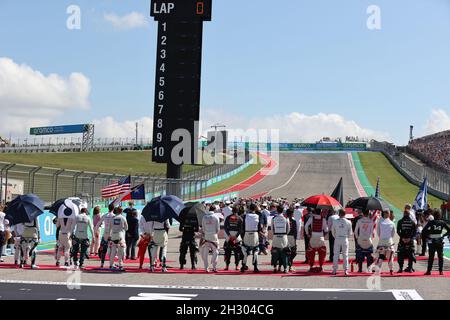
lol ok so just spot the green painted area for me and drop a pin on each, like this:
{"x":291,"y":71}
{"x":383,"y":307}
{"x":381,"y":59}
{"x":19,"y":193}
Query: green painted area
{"x":394,"y":188}
{"x":125,"y":162}
{"x":241,"y":176}
{"x":370,"y":188}
{"x":46,"y":246}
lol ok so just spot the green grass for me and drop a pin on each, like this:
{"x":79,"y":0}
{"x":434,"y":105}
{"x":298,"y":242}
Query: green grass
{"x":241,"y":176}
{"x":125,"y":162}
{"x":393,"y":186}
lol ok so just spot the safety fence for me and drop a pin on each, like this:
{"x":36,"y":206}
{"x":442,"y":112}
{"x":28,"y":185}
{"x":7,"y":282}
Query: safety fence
{"x":51,"y":184}
{"x":414,"y":170}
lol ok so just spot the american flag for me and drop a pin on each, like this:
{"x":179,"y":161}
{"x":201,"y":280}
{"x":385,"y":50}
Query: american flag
{"x":117,"y":188}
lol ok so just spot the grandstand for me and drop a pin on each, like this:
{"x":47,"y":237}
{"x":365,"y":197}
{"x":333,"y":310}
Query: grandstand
{"x":433,"y":150}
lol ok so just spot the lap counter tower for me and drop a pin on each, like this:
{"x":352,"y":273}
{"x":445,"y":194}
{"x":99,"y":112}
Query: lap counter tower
{"x":177,"y":83}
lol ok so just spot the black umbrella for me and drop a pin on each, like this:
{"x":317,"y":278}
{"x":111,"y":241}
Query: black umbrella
{"x":24,"y":208}
{"x":194,"y":208}
{"x":163,"y":208}
{"x":55,"y":206}
{"x":369,"y":203}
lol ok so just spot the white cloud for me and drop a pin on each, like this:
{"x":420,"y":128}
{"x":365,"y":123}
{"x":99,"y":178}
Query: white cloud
{"x":126,"y":22}
{"x":29,"y":98}
{"x":295,"y":127}
{"x":108,"y":127}
{"x":438,"y":121}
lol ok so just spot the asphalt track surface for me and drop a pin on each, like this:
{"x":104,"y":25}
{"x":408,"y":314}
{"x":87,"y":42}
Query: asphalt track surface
{"x":37,"y":291}
{"x":318,"y":173}
{"x":301,"y":175}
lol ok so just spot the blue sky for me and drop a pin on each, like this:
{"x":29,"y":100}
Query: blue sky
{"x":262,"y":60}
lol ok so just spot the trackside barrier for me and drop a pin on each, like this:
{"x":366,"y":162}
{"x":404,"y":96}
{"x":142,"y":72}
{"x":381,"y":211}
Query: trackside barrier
{"x":51,"y":184}
{"x":414,"y":171}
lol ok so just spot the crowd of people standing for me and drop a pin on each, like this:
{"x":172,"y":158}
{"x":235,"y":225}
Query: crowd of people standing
{"x":248,"y":226}
{"x":433,"y":149}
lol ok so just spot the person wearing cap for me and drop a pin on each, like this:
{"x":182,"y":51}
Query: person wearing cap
{"x":406,"y":229}
{"x":227,"y":209}
{"x":298,"y":215}
{"x":264,"y":210}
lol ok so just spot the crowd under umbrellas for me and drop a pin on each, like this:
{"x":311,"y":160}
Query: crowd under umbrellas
{"x":23,"y":212}
{"x":246,"y":223}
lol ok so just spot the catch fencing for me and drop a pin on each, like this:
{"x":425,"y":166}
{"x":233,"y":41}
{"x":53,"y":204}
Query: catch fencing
{"x":51,"y":184}
{"x":414,"y":170}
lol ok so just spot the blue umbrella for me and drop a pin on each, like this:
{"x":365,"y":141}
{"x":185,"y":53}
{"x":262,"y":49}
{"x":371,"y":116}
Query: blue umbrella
{"x":163,"y":208}
{"x":24,"y":208}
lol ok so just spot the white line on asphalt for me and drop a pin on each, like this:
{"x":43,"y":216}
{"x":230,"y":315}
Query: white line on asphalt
{"x":163,"y":296}
{"x":288,"y":181}
{"x":406,"y":295}
{"x":411,"y":293}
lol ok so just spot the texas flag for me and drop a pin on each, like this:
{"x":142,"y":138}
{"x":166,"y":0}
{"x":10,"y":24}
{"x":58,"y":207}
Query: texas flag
{"x":136,"y":193}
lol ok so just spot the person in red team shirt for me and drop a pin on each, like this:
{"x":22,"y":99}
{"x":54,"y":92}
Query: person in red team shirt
{"x":316,"y":228}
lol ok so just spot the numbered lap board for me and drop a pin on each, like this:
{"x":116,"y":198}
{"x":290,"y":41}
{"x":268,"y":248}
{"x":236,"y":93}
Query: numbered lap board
{"x":178,"y":74}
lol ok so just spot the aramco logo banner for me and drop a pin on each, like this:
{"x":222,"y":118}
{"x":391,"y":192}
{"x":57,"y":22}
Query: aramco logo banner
{"x":70,"y":129}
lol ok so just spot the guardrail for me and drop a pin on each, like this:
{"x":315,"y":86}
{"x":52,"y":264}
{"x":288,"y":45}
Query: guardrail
{"x":415,"y":171}
{"x":51,"y":184}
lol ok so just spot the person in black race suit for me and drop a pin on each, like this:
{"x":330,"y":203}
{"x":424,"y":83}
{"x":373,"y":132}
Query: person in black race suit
{"x":132,"y":234}
{"x":292,"y":239}
{"x":433,"y":232}
{"x":189,"y":226}
{"x":407,"y":230}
